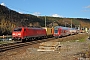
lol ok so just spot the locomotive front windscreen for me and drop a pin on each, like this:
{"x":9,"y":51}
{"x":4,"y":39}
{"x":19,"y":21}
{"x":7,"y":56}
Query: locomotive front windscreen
{"x":17,"y":29}
{"x":55,"y":31}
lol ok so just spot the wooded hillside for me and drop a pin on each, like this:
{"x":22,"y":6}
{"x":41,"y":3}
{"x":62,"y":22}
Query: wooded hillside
{"x":10,"y":19}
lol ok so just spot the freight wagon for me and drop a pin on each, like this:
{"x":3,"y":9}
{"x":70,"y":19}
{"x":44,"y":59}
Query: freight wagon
{"x":49,"y":31}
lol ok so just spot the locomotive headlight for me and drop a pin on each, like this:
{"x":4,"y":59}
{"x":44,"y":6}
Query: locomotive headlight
{"x":19,"y":34}
{"x":13,"y":34}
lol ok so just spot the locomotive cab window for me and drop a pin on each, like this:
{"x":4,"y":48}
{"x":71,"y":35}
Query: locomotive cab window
{"x":24,"y":29}
{"x":17,"y":29}
{"x":56,"y":31}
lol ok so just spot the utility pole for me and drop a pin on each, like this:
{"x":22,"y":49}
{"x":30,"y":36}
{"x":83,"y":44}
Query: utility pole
{"x":71,"y":23}
{"x":45,"y":20}
{"x":79,"y":27}
{"x":65,"y":24}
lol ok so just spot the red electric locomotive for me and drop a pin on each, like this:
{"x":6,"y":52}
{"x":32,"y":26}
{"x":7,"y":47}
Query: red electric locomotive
{"x":26,"y":33}
{"x":60,"y":31}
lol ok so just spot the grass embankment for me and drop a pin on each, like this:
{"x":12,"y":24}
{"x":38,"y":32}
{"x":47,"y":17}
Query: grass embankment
{"x":74,"y":38}
{"x":79,"y":38}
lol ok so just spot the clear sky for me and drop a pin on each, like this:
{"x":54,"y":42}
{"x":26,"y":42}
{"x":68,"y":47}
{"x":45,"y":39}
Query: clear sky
{"x":59,"y":8}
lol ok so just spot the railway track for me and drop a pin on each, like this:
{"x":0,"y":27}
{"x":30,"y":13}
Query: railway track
{"x":10,"y":46}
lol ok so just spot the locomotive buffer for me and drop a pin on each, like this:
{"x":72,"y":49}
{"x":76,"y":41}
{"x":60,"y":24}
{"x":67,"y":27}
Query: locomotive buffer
{"x":49,"y":46}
